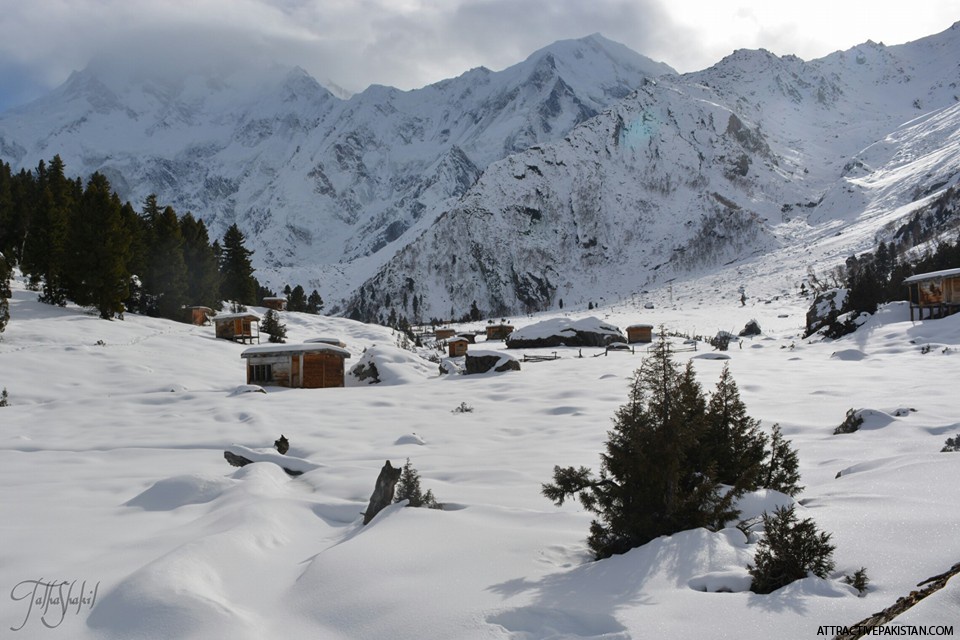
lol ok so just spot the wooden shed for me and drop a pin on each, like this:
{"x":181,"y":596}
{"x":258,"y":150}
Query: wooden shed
{"x":239,"y":327}
{"x":200,"y":315}
{"x":640,"y":333}
{"x":499,"y":331}
{"x":276,"y":303}
{"x":457,"y":347}
{"x":938,"y":292}
{"x":301,"y":366}
{"x":443,"y":334}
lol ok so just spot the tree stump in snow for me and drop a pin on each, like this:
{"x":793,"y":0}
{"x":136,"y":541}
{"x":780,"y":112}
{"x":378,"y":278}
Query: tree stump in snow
{"x":383,"y":493}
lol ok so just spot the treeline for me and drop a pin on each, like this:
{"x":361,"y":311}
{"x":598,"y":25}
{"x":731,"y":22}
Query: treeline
{"x":79,"y":242}
{"x":876,"y":277}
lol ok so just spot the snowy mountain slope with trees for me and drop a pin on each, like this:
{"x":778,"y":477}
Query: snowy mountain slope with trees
{"x":117,"y":430}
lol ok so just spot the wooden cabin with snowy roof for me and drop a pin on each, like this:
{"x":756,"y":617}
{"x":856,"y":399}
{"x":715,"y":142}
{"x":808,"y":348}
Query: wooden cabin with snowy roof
{"x":445,"y":333}
{"x":315,"y":365}
{"x":276,"y":303}
{"x":239,"y":327}
{"x":457,"y":346}
{"x":937,"y":292}
{"x":640,"y":333}
{"x":200,"y":315}
{"x":499,"y":331}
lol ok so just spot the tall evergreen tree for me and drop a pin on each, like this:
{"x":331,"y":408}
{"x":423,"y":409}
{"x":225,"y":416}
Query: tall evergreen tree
{"x":273,"y":326}
{"x":5,"y":293}
{"x":166,"y":276}
{"x":236,"y":269}
{"x":203,"y":272}
{"x":297,"y":299}
{"x":99,"y":250}
{"x":733,"y":440}
{"x":314,"y":302}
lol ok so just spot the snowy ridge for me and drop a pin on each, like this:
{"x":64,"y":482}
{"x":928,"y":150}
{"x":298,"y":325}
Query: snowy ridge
{"x":324,"y":187}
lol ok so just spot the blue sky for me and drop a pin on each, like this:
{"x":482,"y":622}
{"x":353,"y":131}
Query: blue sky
{"x":410,"y":43}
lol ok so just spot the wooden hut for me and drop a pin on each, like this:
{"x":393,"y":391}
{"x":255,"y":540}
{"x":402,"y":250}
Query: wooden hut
{"x":301,"y":366}
{"x":200,"y":315}
{"x":498,"y":331}
{"x":640,"y":333}
{"x":443,"y":334}
{"x":938,"y":292}
{"x":276,"y":303}
{"x":457,"y":347}
{"x":239,"y":327}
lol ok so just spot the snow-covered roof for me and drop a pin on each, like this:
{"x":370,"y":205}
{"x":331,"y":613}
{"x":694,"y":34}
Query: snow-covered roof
{"x":563,"y":326}
{"x":640,"y":326}
{"x":234,"y":316}
{"x":334,"y":341}
{"x":457,"y":339}
{"x":316,"y":347}
{"x":275,"y":298}
{"x":933,"y":275}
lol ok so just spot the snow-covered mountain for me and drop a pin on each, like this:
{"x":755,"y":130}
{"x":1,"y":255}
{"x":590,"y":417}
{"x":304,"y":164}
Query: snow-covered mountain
{"x":323,"y":186}
{"x":770,"y":162}
{"x":585,"y":173}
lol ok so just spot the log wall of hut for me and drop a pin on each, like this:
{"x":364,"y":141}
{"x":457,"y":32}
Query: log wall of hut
{"x":640,"y":333}
{"x":499,"y":331}
{"x":322,"y":370}
{"x":939,"y":297}
{"x":457,"y":347}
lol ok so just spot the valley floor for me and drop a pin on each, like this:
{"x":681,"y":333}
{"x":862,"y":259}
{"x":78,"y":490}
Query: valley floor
{"x":112,"y":479}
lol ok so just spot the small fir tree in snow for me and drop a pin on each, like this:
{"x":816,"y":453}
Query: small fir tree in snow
{"x":858,"y":581}
{"x":781,"y":472}
{"x":408,"y":488}
{"x":4,"y":398}
{"x":273,"y":326}
{"x":951,"y":445}
{"x":790,"y":550}
{"x":649,"y":484}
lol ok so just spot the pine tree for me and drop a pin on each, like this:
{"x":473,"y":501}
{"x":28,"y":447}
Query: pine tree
{"x":5,"y":293}
{"x":273,"y":326}
{"x":781,"y":472}
{"x":788,"y":551}
{"x":408,"y":488}
{"x":314,"y":303}
{"x":203,"y":272}
{"x":236,"y":269}
{"x":166,"y":275}
{"x":733,"y":440}
{"x":44,"y":251}
{"x":99,"y":250}
{"x":297,"y":299}
{"x":648,"y":485}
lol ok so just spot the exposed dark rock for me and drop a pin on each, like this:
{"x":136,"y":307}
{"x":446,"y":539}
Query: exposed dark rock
{"x":482,"y":363}
{"x":752,"y":328}
{"x":383,"y":492}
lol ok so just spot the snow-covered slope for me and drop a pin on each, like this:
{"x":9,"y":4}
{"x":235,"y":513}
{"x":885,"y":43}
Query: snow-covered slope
{"x":320,"y":185}
{"x":112,"y":478}
{"x":757,"y":163}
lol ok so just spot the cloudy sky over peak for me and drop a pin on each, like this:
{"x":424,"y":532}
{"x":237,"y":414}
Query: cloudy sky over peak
{"x":410,"y":43}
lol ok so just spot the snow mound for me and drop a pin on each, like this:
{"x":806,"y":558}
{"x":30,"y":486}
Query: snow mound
{"x":874,"y":419}
{"x":554,"y":332}
{"x":287,"y":462}
{"x":175,"y":492}
{"x":711,"y":356}
{"x":732,"y":581}
{"x":389,"y":366}
{"x":755,"y":503}
{"x":848,"y":355}
{"x":247,"y":388}
{"x":411,"y":438}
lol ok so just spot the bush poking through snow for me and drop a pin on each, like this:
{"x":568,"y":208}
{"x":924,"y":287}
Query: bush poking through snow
{"x":850,"y":423}
{"x":781,"y":471}
{"x":408,"y":488}
{"x":950,"y":446}
{"x":858,"y":581}
{"x":789,"y":550}
{"x":5,"y":398}
{"x":463,"y":408}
